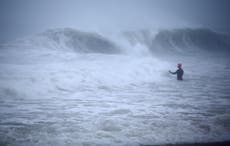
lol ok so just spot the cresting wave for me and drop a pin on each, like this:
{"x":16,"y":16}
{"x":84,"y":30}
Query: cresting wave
{"x":67,"y":39}
{"x":163,"y":41}
{"x":181,"y":41}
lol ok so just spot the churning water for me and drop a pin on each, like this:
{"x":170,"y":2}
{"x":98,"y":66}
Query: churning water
{"x":66,"y":87}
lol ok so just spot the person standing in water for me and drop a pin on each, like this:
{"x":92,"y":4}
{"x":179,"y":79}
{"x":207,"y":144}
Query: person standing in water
{"x":179,"y":72}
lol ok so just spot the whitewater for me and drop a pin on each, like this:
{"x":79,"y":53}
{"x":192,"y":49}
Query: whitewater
{"x":69,"y":87}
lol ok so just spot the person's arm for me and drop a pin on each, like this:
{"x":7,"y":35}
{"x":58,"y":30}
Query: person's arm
{"x":173,"y":72}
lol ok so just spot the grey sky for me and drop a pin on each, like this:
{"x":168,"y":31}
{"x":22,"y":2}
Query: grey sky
{"x":23,"y":17}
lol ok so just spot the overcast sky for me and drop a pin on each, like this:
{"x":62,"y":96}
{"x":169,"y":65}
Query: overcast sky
{"x":19,"y":18}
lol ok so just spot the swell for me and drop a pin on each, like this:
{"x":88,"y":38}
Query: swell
{"x":66,"y":39}
{"x":190,"y":40}
{"x":181,"y":41}
{"x":157,"y":42}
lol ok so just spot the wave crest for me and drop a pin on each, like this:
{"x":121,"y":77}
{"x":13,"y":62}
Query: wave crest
{"x":190,"y":40}
{"x":68,"y":40}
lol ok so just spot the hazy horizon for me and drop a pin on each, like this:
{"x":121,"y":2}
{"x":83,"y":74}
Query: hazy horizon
{"x":27,"y":17}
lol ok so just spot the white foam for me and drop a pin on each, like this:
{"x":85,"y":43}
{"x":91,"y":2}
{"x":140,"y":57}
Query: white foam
{"x":54,"y":97}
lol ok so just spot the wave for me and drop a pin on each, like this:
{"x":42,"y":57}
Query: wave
{"x":67,"y":39}
{"x":180,"y":40}
{"x":142,"y":42}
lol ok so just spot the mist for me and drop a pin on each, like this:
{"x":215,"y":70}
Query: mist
{"x":28,"y":17}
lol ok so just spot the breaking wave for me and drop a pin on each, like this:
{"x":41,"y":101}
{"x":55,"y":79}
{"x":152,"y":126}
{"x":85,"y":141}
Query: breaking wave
{"x":68,"y":39}
{"x":155,"y":42}
{"x":181,"y":40}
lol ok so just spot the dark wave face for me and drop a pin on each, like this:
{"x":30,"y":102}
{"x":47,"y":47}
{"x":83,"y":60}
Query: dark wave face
{"x":190,"y":40}
{"x":81,"y":42}
{"x":66,"y":39}
{"x":164,"y":42}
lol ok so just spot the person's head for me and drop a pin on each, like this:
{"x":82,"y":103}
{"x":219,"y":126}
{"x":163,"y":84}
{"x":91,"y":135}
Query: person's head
{"x":179,"y":65}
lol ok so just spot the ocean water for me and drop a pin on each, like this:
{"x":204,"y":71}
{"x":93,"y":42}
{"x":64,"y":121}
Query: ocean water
{"x":61,"y":88}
